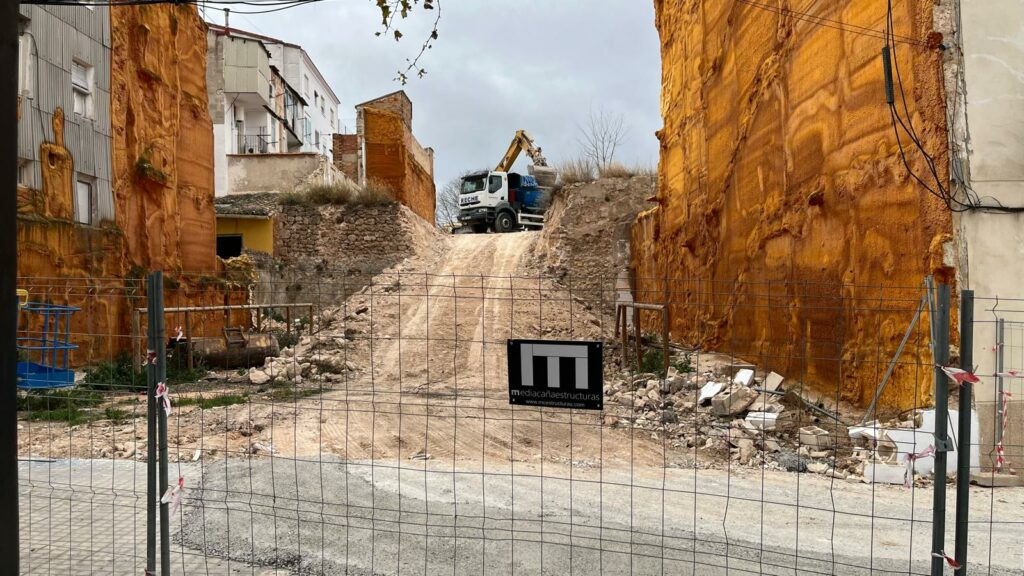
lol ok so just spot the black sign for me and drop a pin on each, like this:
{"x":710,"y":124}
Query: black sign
{"x":562,"y":374}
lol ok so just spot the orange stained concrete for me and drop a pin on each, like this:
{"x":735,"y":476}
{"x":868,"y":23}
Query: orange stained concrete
{"x":792,"y":232}
{"x":162,"y":184}
{"x":163,"y":137}
{"x":388,"y":144}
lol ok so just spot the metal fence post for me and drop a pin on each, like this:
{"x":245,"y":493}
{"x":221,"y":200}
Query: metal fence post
{"x":940,"y":353}
{"x":157,"y":321}
{"x":10,"y":532}
{"x":1000,"y":361}
{"x":151,"y":439}
{"x":963,"y":435}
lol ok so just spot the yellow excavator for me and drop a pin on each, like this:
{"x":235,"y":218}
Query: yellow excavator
{"x":505,"y":201}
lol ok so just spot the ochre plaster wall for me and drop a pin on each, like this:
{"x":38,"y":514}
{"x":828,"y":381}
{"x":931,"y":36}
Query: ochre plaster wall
{"x":786,"y":219}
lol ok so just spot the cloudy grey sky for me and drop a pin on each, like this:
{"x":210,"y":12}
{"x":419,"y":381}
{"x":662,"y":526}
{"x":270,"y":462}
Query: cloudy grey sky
{"x":498,"y":65}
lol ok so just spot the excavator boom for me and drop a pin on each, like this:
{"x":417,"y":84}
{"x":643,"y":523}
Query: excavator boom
{"x":521,"y":143}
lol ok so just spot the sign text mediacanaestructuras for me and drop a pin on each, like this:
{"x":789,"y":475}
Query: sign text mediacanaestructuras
{"x":561,"y":374}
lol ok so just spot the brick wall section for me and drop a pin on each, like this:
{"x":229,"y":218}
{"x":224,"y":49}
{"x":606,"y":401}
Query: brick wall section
{"x":779,"y":165}
{"x":324,"y":253}
{"x":397,"y":103}
{"x":389,"y":146}
{"x":346,"y":155}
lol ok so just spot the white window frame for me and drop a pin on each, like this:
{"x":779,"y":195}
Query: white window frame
{"x":90,"y":218}
{"x":83,"y":88}
{"x":25,"y":70}
{"x":24,"y":172}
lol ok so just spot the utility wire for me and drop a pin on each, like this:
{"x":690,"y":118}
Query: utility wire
{"x":832,"y":23}
{"x":949,"y":198}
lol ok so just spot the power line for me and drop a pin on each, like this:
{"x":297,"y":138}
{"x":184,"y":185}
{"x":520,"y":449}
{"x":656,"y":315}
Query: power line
{"x":950,"y":199}
{"x":832,"y":23}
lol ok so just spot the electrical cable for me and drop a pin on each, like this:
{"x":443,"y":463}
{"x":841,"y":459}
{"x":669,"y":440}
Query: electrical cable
{"x":950,"y":199}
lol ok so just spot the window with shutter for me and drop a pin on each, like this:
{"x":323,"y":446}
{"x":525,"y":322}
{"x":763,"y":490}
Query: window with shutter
{"x":81,"y":88}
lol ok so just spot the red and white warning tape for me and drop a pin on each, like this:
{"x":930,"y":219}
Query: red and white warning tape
{"x":180,"y":335}
{"x":1000,"y":453}
{"x":165,"y":400}
{"x":949,"y":559}
{"x":149,"y":358}
{"x":174,"y":495}
{"x":909,"y":459}
{"x":960,"y":376}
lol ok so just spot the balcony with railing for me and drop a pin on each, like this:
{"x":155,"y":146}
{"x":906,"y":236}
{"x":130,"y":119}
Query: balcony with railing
{"x":256,"y":144}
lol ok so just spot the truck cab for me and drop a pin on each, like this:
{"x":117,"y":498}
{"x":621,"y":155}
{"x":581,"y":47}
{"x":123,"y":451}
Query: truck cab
{"x":502,"y":201}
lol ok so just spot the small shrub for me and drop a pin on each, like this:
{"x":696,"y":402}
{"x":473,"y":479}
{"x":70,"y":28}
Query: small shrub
{"x":116,"y":414}
{"x":286,"y":340}
{"x":339,"y":193}
{"x":115,"y":375}
{"x":72,"y":407}
{"x":653,"y":362}
{"x":326,"y":366}
{"x":576,"y":170}
{"x":616,"y":170}
{"x":684,"y":364}
{"x":376,"y":192}
{"x":214,"y":401}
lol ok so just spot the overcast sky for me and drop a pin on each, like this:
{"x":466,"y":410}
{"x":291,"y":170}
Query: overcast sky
{"x":498,"y":66}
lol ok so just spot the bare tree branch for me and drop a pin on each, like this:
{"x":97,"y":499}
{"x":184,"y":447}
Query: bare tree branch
{"x":389,"y":10}
{"x":601,"y":137}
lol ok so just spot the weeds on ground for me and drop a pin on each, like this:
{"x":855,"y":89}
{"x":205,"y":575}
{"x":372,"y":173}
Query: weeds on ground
{"x":339,"y":193}
{"x":205,"y":403}
{"x":653,"y":362}
{"x":289,"y":392}
{"x":576,"y":170}
{"x":615,"y":170}
{"x":326,"y":366}
{"x":74,"y":406}
{"x":120,"y":375}
{"x":286,"y":340}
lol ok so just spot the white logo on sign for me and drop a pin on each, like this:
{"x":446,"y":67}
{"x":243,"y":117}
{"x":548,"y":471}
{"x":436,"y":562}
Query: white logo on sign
{"x":554,"y":353}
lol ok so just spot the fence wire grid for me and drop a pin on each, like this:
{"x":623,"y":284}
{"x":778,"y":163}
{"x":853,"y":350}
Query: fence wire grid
{"x":329,"y":428}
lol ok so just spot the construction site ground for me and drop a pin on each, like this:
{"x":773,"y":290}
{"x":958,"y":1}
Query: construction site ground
{"x":385,"y":443}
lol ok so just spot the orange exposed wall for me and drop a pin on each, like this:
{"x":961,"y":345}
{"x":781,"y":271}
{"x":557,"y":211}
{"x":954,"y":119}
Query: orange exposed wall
{"x":162,"y":170}
{"x":389,"y":159}
{"x":779,"y":165}
{"x":163,"y":137}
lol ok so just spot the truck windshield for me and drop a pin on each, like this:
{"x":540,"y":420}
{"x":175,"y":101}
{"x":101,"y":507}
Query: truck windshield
{"x":474,"y":184}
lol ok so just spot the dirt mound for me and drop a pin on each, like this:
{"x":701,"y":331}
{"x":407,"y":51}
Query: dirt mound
{"x":585,"y":241}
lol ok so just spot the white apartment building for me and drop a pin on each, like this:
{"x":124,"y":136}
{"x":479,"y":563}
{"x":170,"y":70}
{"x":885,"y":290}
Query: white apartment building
{"x":299,"y":71}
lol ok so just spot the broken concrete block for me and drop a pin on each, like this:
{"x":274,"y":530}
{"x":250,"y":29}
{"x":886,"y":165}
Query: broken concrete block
{"x":708,"y":391}
{"x":772,"y":381}
{"x":818,"y":467}
{"x":814,"y":437}
{"x":735,"y":367}
{"x":733,"y":401}
{"x":743,"y":377}
{"x":882,"y":473}
{"x":762,"y":420}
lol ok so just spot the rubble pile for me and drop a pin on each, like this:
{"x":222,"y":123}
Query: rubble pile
{"x":733,"y":412}
{"x":723,"y":411}
{"x":325,"y":358}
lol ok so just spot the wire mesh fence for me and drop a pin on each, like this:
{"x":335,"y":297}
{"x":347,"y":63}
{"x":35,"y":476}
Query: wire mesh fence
{"x":365,"y":427}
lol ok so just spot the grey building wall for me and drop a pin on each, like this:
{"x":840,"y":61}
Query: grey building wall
{"x":58,"y":35}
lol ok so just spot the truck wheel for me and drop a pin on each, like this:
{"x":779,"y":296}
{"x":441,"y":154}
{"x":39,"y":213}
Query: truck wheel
{"x":479,"y":228}
{"x":504,"y":222}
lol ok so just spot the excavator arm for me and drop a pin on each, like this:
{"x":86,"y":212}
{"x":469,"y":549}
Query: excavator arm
{"x":521,"y":143}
